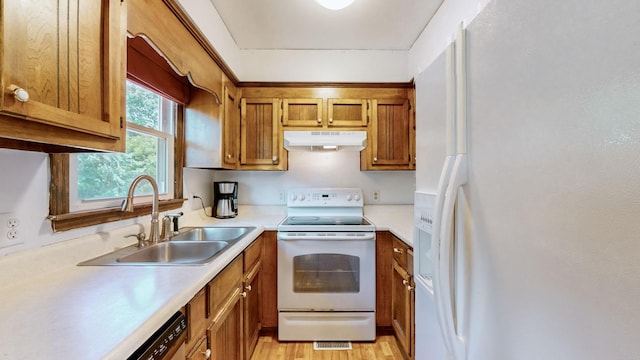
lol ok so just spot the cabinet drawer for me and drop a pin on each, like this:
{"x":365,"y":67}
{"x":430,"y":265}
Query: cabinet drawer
{"x":252,"y":254}
{"x":223,"y":285}
{"x":400,"y":252}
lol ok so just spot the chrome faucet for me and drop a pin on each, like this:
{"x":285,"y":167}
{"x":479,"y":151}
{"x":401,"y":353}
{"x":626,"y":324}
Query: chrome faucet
{"x":127,"y":206}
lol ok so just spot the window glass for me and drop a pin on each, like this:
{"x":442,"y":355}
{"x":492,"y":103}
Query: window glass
{"x":100,"y":180}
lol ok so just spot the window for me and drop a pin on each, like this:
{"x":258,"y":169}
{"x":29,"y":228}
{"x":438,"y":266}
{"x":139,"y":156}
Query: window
{"x":102,"y":180}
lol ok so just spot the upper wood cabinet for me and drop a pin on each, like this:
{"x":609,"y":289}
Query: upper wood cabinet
{"x":63,"y":67}
{"x":302,"y":112}
{"x":260,"y":135}
{"x":347,"y":112}
{"x":391,"y":136}
{"x":231,"y":127}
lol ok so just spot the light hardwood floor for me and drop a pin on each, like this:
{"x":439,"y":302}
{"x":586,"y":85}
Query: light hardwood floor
{"x":269,"y":348}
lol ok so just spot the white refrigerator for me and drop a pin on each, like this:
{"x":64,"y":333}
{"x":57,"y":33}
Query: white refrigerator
{"x":544,"y":259}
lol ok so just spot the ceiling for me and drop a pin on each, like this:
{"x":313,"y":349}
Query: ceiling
{"x":305,"y":25}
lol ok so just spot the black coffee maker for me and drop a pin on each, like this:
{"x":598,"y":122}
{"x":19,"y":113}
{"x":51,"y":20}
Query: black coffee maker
{"x":225,"y":199}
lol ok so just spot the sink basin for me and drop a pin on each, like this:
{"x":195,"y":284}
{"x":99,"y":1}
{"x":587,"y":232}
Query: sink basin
{"x":192,"y":246}
{"x":211,"y":233}
{"x":176,"y":253}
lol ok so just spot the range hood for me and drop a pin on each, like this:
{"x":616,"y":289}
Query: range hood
{"x":325,"y":140}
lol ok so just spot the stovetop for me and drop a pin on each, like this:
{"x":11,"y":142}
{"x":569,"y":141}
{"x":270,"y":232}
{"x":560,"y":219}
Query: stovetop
{"x":325,"y":209}
{"x":325,"y":220}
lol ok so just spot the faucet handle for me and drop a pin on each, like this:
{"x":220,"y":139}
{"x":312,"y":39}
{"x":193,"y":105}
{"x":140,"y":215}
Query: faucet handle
{"x":140,"y":237}
{"x":175,"y":217}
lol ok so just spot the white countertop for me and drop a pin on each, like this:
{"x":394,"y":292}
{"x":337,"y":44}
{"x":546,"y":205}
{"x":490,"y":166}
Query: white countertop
{"x":59,"y":310}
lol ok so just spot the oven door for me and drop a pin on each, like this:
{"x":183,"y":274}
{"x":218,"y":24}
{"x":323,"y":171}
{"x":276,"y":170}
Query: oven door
{"x":326,"y":271}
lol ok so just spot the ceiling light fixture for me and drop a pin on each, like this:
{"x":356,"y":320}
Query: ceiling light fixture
{"x":335,"y":4}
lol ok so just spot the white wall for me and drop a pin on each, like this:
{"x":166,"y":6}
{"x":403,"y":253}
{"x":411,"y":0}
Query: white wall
{"x":440,"y":32}
{"x":298,"y":65}
{"x":318,"y":169}
{"x":25,"y":190}
{"x":24,"y":194}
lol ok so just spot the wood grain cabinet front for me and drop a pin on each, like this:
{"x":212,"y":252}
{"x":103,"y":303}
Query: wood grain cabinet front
{"x":403,"y":296}
{"x":252,"y":321}
{"x":391,"y":137}
{"x":302,"y":113}
{"x":63,"y":69}
{"x":346,"y":112}
{"x":260,"y":135}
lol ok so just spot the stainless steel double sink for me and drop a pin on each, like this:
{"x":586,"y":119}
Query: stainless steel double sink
{"x":191,"y":246}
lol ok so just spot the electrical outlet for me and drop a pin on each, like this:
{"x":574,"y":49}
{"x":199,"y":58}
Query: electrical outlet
{"x":376,"y":195}
{"x":13,"y":222}
{"x":9,"y":230}
{"x":281,"y":197}
{"x":12,"y":234}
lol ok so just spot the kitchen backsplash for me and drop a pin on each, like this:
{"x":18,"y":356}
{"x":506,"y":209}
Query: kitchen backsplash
{"x":319,"y":169}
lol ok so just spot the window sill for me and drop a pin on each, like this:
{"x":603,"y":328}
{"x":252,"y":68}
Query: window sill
{"x":64,"y":222}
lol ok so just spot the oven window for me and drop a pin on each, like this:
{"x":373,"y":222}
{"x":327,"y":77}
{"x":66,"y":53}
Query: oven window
{"x":326,"y":273}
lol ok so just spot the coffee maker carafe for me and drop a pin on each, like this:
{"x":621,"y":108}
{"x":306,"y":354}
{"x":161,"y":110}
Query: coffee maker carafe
{"x":225,"y":199}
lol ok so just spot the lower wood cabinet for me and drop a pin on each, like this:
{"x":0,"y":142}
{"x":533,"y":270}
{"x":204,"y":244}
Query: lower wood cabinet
{"x":225,"y":333}
{"x":403,"y":296}
{"x":225,"y":317}
{"x":252,"y":321}
{"x":200,"y":351}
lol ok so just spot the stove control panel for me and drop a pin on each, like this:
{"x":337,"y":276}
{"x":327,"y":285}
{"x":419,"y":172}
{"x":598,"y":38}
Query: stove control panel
{"x":325,"y":197}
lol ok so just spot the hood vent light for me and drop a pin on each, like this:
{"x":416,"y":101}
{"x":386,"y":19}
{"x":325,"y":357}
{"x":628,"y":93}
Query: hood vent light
{"x":325,"y":140}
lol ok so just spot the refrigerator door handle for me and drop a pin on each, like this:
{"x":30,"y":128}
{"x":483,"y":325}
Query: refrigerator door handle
{"x":452,"y":335}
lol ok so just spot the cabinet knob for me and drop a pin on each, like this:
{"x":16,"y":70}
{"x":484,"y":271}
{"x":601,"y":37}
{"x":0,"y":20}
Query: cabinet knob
{"x":19,"y":93}
{"x":274,"y":160}
{"x":207,"y":354}
{"x":397,"y":251}
{"x":330,"y":120}
{"x":229,"y":156}
{"x":243,"y":294}
{"x":409,"y":288}
{"x":319,"y":120}
{"x":375,"y":159}
{"x":248,"y":287}
{"x":405,"y":282}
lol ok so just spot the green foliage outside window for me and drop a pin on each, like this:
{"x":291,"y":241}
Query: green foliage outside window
{"x":102,"y":176}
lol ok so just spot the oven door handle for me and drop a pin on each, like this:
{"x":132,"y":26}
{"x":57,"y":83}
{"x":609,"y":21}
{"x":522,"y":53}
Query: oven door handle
{"x":308,"y":237}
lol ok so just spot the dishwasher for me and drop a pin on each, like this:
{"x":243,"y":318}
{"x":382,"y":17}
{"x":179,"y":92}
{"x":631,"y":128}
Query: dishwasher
{"x":167,"y":343}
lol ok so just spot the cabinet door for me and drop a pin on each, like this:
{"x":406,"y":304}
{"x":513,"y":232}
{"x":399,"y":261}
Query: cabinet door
{"x":200,"y":350}
{"x":225,"y":334}
{"x":391,"y":136}
{"x":348,"y":112}
{"x":302,"y":112}
{"x":63,"y":64}
{"x":252,"y":310}
{"x":231,"y":130}
{"x":196,"y":319}
{"x":260,"y":145}
{"x":401,"y":306}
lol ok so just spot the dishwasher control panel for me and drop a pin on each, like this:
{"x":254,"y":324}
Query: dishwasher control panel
{"x":163,"y":340}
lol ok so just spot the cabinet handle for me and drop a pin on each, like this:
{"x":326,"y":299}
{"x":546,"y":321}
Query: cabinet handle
{"x":319,"y":120}
{"x":248,"y":287}
{"x":243,"y":294}
{"x":207,"y":354}
{"x":274,"y":160}
{"x":19,"y":93}
{"x":397,"y":251}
